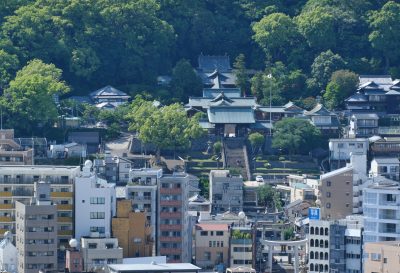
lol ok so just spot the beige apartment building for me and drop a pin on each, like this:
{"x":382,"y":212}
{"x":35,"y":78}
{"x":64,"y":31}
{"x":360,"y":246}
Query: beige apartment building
{"x":133,"y":230}
{"x":381,"y":257}
{"x":37,"y":232}
{"x":11,"y":152}
{"x":212,"y":245}
{"x":336,"y":193}
{"x":17,"y":184}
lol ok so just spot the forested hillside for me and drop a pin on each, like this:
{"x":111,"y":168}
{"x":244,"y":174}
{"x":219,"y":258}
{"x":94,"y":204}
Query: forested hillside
{"x":128,"y":43}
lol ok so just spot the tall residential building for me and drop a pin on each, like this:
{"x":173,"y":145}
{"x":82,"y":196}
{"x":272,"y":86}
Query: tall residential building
{"x":133,"y":231}
{"x":335,"y":246}
{"x":17,"y":183}
{"x":142,"y":189}
{"x":382,"y":257}
{"x":226,"y":192}
{"x":381,"y":207}
{"x":336,"y":193}
{"x":95,"y":203}
{"x":174,"y":238}
{"x":37,"y":232}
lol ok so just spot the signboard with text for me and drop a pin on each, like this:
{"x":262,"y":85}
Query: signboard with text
{"x":313,"y":213}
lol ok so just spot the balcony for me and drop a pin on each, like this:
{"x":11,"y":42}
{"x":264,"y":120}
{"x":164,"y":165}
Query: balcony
{"x":64,"y":219}
{"x":170,"y":239}
{"x":5,"y":194}
{"x":64,"y":207}
{"x":6,"y":219}
{"x":65,"y":232}
{"x":6,"y":206}
{"x":171,"y":227}
{"x":175,"y":203}
{"x":166,"y":251}
{"x":62,"y":194}
{"x":170,"y":190}
{"x":170,"y":215}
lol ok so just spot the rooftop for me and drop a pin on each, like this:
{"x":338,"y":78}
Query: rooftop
{"x":365,"y":116}
{"x":337,"y":172}
{"x":386,"y":160}
{"x":212,"y":227}
{"x":154,"y":267}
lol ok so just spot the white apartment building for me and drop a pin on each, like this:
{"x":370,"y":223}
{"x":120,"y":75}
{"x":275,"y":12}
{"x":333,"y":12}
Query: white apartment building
{"x":99,"y":251}
{"x":381,"y":208}
{"x":95,"y":203}
{"x":343,"y":148}
{"x":142,"y":189}
{"x":318,"y":246}
{"x":386,"y":166}
{"x":8,"y":254}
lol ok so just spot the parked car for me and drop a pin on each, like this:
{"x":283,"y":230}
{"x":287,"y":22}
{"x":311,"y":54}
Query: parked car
{"x":259,"y":178}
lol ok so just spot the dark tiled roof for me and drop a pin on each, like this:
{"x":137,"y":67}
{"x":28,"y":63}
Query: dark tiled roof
{"x":211,"y":63}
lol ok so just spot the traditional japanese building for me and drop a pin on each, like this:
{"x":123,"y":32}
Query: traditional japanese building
{"x":376,"y":93}
{"x":326,"y":121}
{"x":109,"y":97}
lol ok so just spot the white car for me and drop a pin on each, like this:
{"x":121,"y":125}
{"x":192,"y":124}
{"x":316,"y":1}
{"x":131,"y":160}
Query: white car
{"x":259,"y":178}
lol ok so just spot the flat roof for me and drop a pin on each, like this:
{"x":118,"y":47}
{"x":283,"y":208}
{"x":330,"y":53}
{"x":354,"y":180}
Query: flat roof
{"x":212,"y":227}
{"x":173,"y":267}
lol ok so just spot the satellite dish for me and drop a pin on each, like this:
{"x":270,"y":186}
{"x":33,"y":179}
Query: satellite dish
{"x":73,"y":243}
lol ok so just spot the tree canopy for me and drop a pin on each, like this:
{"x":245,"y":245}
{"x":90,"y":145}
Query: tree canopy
{"x":30,"y":97}
{"x":165,"y":127}
{"x":295,"y":136}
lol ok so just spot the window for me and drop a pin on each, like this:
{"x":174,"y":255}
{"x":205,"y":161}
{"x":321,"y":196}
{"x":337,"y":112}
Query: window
{"x":328,"y":183}
{"x":97,"y":215}
{"x":375,"y":256}
{"x":203,"y":233}
{"x":109,"y":245}
{"x":340,"y":145}
{"x":220,"y":233}
{"x":97,"y":200}
{"x":98,"y":229}
{"x":207,"y":256}
{"x":328,"y":194}
{"x":92,"y":245}
{"x":328,"y":205}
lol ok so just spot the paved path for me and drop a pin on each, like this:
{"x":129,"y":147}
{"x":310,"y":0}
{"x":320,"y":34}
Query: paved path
{"x":119,"y":146}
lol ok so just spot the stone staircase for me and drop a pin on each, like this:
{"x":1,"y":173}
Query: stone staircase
{"x":235,"y":155}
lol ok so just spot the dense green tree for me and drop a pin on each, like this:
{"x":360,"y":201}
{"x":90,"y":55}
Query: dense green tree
{"x":242,"y":79}
{"x":256,"y":141}
{"x":385,"y":35}
{"x":185,"y":81}
{"x":343,"y":83}
{"x":30,"y":96}
{"x":322,"y":68}
{"x":295,"y":136}
{"x":8,"y":66}
{"x":318,"y":27}
{"x":165,"y":127}
{"x":276,"y":34}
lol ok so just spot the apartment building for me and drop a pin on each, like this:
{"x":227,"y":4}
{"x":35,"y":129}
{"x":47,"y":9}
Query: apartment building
{"x":336,"y":193}
{"x":343,"y":148}
{"x":142,"y":189}
{"x":36,"y":230}
{"x":363,"y":125}
{"x":95,"y":203}
{"x":381,"y":257}
{"x":318,"y":246}
{"x":99,"y":251}
{"x":226,"y":192}
{"x":133,"y":231}
{"x":174,"y":230}
{"x":212,"y":245}
{"x":335,"y":246}
{"x":11,"y":152}
{"x":241,"y":247}
{"x":388,"y":167}
{"x":381,"y":208}
{"x":17,"y":184}
{"x":113,"y":168}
